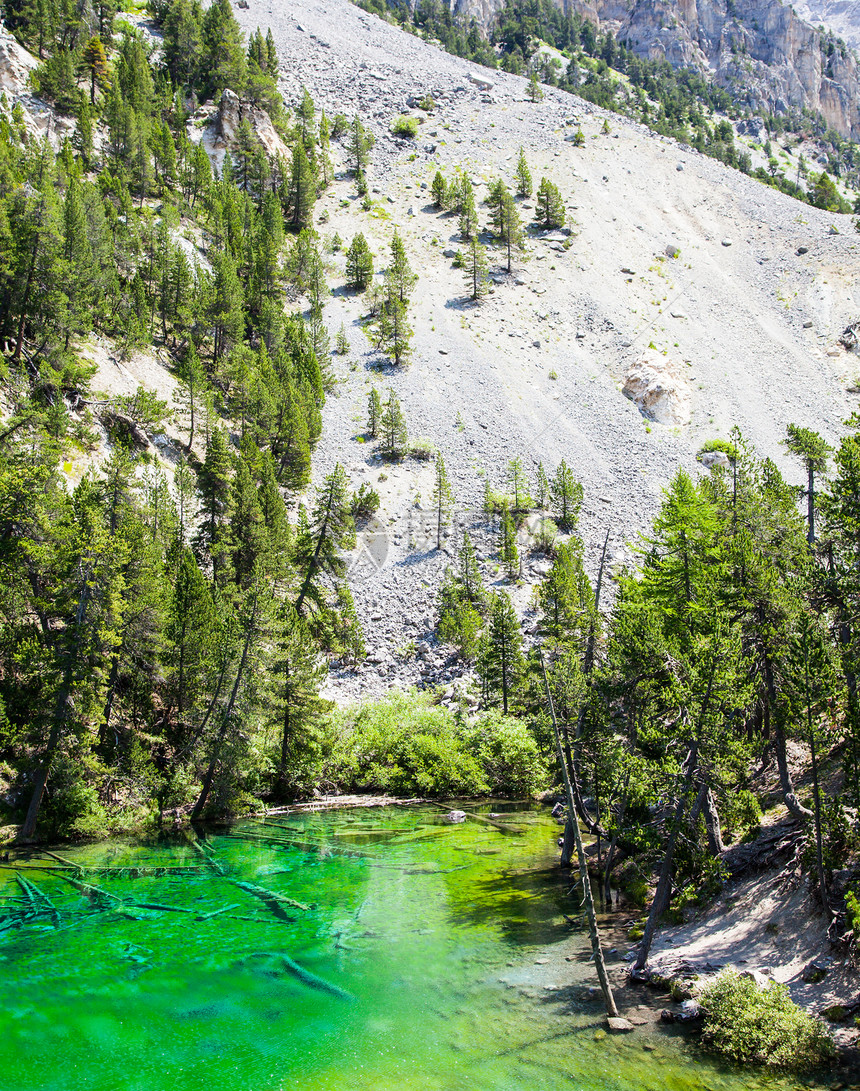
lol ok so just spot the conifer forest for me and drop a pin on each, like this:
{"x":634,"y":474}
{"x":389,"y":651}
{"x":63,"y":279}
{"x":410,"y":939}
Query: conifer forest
{"x":183,"y":642}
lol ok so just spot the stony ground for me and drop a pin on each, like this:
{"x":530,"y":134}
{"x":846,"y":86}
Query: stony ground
{"x":749,"y":310}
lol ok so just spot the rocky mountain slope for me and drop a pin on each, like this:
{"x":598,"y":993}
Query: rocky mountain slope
{"x":741,"y":327}
{"x":762,"y":50}
{"x":840,"y":16}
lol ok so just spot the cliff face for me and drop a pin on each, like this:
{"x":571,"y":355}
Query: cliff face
{"x":760,"y":49}
{"x":840,"y":16}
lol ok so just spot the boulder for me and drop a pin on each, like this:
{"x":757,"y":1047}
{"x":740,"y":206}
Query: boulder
{"x":232,"y":111}
{"x":714,"y":458}
{"x":659,"y":387}
{"x":617,"y":1024}
{"x":456,"y":816}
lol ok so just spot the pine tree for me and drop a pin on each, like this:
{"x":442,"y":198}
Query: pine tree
{"x":318,"y":543}
{"x":518,"y":486}
{"x":302,"y":190}
{"x":341,"y":342}
{"x":566,"y":495}
{"x":359,"y":263}
{"x":213,"y":485}
{"x":95,"y":60}
{"x":193,"y":384}
{"x":511,"y":232}
{"x":550,"y":207}
{"x":542,"y":491}
{"x":476,"y":271}
{"x":535,"y":91}
{"x":359,"y":144}
{"x":523,"y":176}
{"x":298,"y":671}
{"x":400,"y":278}
{"x":811,"y":448}
{"x":508,"y":551}
{"x":439,"y":191}
{"x":190,"y":630}
{"x":393,"y":331}
{"x":442,"y":497}
{"x":392,"y":428}
{"x":374,"y":413}
{"x":223,"y":63}
{"x":468,"y":222}
{"x":503,"y":665}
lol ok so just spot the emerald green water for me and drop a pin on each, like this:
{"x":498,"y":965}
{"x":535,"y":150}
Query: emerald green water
{"x":424,"y":923}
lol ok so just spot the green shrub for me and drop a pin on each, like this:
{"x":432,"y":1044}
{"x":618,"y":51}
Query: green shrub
{"x":852,"y":905}
{"x":745,"y":1023}
{"x":726,"y":446}
{"x":365,"y":502}
{"x":409,"y":746}
{"x":743,"y":814}
{"x":508,"y":754}
{"x":405,"y":126}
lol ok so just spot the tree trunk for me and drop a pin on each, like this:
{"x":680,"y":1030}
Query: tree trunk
{"x":225,"y":723}
{"x":596,"y":947}
{"x":712,"y":825}
{"x":664,"y":884}
{"x":62,"y":714}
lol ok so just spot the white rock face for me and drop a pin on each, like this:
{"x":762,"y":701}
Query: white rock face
{"x":658,"y":386}
{"x":16,"y":64}
{"x":219,"y":134}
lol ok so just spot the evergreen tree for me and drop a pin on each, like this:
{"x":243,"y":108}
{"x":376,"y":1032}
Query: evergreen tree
{"x":302,"y":190}
{"x":400,"y":278}
{"x":298,"y":672}
{"x":442,"y":497}
{"x":359,"y":143}
{"x":511,"y":231}
{"x":393,"y":331}
{"x":521,"y":499}
{"x":523,"y":176}
{"x":439,"y":191}
{"x":476,"y":271}
{"x":374,"y":413}
{"x":503,"y":665}
{"x":359,"y":263}
{"x":550,"y":207}
{"x":318,"y":543}
{"x":468,"y":221}
{"x":223,"y":62}
{"x":811,"y":448}
{"x":535,"y":91}
{"x":392,"y":428}
{"x":508,"y":551}
{"x":566,"y":496}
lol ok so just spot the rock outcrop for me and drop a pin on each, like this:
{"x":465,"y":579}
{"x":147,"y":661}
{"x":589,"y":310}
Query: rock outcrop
{"x":658,"y":386}
{"x":761,"y":50}
{"x":220,"y":131}
{"x":16,"y":64}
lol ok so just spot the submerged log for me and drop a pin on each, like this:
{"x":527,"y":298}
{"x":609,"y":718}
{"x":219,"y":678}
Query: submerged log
{"x":274,"y":901}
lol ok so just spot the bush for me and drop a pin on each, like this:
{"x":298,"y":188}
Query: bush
{"x":364,"y":503}
{"x":409,"y":746}
{"x":745,"y":1023}
{"x":405,"y":126}
{"x":509,"y":755}
{"x":403,"y":745}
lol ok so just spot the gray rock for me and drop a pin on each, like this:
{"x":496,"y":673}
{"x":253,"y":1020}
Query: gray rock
{"x":617,"y":1024}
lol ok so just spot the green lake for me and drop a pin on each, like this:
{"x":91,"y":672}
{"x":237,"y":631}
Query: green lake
{"x":178,"y":979}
